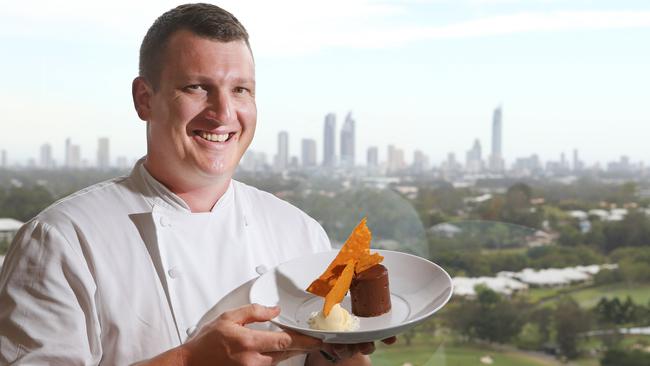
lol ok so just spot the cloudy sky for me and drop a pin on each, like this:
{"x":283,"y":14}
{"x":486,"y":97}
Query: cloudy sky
{"x":419,"y":74}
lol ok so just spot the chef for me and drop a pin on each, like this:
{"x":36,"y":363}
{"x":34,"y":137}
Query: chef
{"x":129,"y":270}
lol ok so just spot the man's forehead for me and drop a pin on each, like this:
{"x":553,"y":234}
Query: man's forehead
{"x":188,"y":53}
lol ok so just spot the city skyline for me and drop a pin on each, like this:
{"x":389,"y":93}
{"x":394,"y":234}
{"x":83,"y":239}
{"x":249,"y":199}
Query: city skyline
{"x":395,"y":159}
{"x":421,"y":75}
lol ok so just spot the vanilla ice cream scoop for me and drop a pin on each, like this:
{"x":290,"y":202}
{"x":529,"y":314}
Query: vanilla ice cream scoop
{"x":338,"y":320}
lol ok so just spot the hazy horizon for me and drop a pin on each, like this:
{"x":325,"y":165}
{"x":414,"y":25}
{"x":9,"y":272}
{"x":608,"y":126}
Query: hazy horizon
{"x":417,"y":74}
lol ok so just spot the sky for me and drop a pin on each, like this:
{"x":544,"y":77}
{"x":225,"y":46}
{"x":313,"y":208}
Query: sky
{"x":418,"y":74}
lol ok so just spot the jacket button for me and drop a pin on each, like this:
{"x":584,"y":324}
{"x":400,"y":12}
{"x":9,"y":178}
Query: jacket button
{"x":173,"y":273}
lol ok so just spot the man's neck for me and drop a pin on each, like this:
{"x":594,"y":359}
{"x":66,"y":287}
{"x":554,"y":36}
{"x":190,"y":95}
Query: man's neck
{"x":203,"y":199}
{"x":199,"y":197}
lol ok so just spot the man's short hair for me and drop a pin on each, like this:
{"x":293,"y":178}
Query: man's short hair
{"x":205,"y":20}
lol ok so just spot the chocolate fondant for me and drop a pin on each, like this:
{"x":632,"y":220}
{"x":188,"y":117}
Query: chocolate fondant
{"x":370,"y":292}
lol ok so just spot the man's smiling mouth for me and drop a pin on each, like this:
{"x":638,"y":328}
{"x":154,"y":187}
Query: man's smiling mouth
{"x":214,"y":137}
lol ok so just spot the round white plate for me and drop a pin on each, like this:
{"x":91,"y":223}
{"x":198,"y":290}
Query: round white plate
{"x":418,"y":289}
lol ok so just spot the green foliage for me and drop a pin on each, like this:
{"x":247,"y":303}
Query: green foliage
{"x":634,"y":263}
{"x":570,"y":236}
{"x":490,"y":317}
{"x":23,"y":203}
{"x":618,"y":357}
{"x":570,"y":321}
{"x":559,"y":256}
{"x":608,"y":276}
{"x":613,"y":311}
{"x":632,"y":231}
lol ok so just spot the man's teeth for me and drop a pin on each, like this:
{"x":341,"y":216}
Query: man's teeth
{"x":214,"y":137}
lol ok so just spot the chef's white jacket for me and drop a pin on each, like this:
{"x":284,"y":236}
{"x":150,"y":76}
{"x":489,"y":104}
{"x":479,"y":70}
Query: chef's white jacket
{"x":122,"y":271}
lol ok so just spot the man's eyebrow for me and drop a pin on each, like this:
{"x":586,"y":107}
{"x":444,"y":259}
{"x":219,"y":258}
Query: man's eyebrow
{"x":206,"y":79}
{"x":244,"y":81}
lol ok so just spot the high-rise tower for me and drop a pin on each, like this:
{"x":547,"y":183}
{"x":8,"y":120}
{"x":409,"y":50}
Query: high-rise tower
{"x":496,"y":158}
{"x":308,"y":152}
{"x":282,"y":158}
{"x":329,"y":140}
{"x":103,"y":154}
{"x":347,"y":142}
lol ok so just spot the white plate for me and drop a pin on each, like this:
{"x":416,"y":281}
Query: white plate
{"x":418,"y":289}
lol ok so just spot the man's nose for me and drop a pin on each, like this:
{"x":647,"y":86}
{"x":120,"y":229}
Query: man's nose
{"x":221,"y":106}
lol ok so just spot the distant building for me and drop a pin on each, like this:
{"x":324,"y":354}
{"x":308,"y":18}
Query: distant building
{"x":308,"y":153}
{"x":72,"y":155}
{"x":282,"y":157}
{"x":347,"y":142}
{"x":395,"y":159}
{"x":3,"y":159}
{"x":372,"y":157}
{"x":66,"y":153}
{"x":75,"y":156}
{"x":451,"y":165}
{"x":577,"y":164}
{"x":420,"y":162}
{"x":474,"y":158}
{"x":497,"y":163}
{"x":621,"y":166}
{"x":103,"y":154}
{"x":46,"y":161}
{"x":528,"y":166}
{"x":329,"y":140}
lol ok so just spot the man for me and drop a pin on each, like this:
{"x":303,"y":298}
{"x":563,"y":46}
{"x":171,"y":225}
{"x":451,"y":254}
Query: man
{"x":122,"y":272}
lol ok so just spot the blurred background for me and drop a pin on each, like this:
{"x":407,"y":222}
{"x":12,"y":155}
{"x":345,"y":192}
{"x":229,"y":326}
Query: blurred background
{"x":505,"y":140}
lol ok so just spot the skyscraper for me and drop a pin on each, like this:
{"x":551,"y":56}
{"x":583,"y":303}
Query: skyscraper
{"x":282,"y":158}
{"x":347,"y":142}
{"x":496,"y":158}
{"x":474,"y":158}
{"x":373,"y":157}
{"x":103,"y":156}
{"x":46,"y":161}
{"x":420,"y":162}
{"x":329,"y":141}
{"x":308,"y":153}
{"x":577,"y":164}
{"x":75,"y":157}
{"x":66,"y":153}
{"x":395,"y":159}
{"x":3,"y":159}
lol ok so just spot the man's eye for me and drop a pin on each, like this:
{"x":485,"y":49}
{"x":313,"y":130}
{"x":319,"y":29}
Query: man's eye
{"x":241,"y":90}
{"x":195,"y":87}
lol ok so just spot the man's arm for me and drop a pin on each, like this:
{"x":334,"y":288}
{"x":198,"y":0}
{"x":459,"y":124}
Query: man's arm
{"x":47,"y":299}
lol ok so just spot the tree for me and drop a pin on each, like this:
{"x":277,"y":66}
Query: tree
{"x":490,"y":317}
{"x":570,"y":321}
{"x":618,"y":357}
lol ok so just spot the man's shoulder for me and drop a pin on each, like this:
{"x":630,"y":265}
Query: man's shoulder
{"x":90,"y":201}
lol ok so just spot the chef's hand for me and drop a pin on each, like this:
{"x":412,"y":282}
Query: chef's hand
{"x":344,"y":354}
{"x":225,"y":341}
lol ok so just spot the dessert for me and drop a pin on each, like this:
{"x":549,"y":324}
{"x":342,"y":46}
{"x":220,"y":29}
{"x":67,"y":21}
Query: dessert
{"x":354,"y":269}
{"x":339,"y":320}
{"x":370,"y":292}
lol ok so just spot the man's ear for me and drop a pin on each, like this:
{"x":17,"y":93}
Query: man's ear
{"x":142,"y":92}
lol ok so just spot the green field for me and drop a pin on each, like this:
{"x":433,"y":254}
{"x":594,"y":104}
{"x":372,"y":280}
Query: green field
{"x":463,"y":356}
{"x":588,"y":297}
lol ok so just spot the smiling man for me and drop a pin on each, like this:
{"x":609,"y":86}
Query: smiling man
{"x":124,"y":271}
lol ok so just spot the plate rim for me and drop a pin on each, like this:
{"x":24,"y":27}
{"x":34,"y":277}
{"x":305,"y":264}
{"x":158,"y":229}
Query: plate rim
{"x":359,"y":332}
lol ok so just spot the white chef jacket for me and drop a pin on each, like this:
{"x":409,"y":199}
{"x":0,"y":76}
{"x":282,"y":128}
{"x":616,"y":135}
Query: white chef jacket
{"x":122,"y":271}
